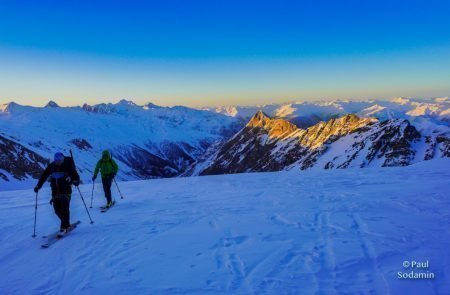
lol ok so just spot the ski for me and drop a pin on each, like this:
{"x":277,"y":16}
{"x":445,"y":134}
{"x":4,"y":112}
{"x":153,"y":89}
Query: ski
{"x":103,"y":209}
{"x":53,"y":238}
{"x":57,"y":233}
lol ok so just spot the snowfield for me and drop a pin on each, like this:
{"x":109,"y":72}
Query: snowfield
{"x":323,"y":232}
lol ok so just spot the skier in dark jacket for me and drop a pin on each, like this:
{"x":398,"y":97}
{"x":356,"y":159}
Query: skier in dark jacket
{"x":108,"y":169}
{"x":62,"y":175}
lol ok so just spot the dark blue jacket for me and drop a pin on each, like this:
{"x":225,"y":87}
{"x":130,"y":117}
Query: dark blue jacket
{"x":61,"y":177}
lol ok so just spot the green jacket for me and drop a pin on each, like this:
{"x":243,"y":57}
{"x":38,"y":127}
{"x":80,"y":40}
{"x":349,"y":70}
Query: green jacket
{"x":106,"y":165}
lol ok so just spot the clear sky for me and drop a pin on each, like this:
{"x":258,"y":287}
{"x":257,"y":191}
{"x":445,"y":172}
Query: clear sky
{"x":200,"y":53}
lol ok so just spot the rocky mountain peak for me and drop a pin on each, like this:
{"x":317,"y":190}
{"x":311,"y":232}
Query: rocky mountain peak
{"x":52,"y":104}
{"x":87,"y":107}
{"x":258,"y":120}
{"x":347,"y":123}
{"x":274,"y":127}
{"x":323,"y":131}
{"x":126,"y":102}
{"x":151,"y":105}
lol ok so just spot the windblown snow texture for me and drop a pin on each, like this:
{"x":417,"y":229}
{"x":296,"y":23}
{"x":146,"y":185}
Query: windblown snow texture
{"x":297,"y":232}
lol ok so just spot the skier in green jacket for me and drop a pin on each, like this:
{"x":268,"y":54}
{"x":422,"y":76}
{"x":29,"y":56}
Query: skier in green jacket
{"x":108,"y":169}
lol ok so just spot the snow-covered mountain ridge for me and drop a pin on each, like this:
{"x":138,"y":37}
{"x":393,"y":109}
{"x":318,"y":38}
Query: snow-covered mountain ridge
{"x":151,"y":141}
{"x":267,"y":144}
{"x":307,"y":113}
{"x":147,"y":141}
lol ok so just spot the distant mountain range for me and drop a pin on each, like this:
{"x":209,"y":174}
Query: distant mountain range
{"x":147,"y":141}
{"x":150,"y":141}
{"x":306,"y":114}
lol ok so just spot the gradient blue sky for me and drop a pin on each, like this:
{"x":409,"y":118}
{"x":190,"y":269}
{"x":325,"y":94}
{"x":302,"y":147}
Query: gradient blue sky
{"x":222,"y":52}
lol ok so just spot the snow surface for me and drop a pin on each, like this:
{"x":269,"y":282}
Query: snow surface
{"x":325,"y":232}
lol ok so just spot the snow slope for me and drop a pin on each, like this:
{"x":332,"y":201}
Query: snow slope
{"x":299,"y":232}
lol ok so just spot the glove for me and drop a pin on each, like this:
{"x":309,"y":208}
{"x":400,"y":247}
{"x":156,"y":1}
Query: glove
{"x":76,"y":182}
{"x":51,"y":201}
{"x":68,"y":179}
{"x":93,"y":178}
{"x":113,"y":176}
{"x":36,"y":189}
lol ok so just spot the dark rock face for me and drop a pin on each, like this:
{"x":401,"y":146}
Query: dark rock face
{"x":444,"y":143}
{"x":389,"y":142}
{"x":431,"y":147}
{"x":393,"y":141}
{"x":81,"y":144}
{"x":19,"y":161}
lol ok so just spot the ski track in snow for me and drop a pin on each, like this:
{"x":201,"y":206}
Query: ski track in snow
{"x":313,"y":232}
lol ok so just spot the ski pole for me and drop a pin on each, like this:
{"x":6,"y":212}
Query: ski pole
{"x":35,"y":214}
{"x":121,"y":196}
{"x":92,"y":196}
{"x":81,"y":195}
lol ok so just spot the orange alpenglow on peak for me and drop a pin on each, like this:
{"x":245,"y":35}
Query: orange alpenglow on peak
{"x":274,"y":127}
